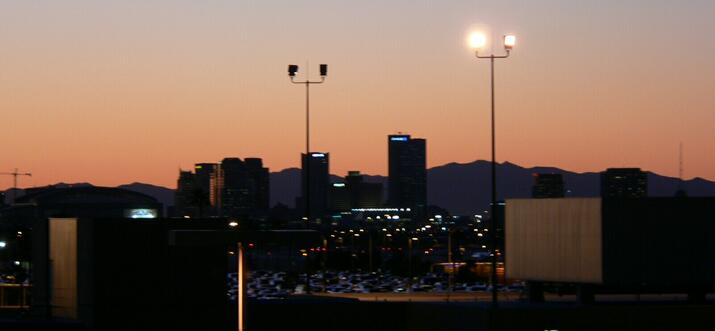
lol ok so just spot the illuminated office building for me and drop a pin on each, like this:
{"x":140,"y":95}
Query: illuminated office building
{"x":407,"y":173}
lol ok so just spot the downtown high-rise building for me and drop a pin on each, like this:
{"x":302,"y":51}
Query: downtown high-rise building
{"x":354,"y":192}
{"x":193,"y":196}
{"x":407,"y":173}
{"x":241,"y":187}
{"x":202,"y":175}
{"x":234,"y":187}
{"x":547,"y":186}
{"x":184,"y":195}
{"x":315,"y":181}
{"x":624,"y":183}
{"x":259,"y":178}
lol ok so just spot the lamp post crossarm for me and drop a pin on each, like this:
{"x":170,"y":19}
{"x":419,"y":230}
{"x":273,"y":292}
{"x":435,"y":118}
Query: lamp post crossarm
{"x":492,"y":56}
{"x":321,"y":81}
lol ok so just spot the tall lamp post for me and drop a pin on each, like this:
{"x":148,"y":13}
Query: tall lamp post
{"x":478,"y":41}
{"x":292,"y":70}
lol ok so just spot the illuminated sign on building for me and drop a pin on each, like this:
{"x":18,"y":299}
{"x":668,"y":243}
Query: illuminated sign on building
{"x":399,"y":138}
{"x":141,"y":213}
{"x":339,"y":185}
{"x":317,"y":155}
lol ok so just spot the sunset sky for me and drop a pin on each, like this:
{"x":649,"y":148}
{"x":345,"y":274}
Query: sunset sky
{"x":112,"y":92}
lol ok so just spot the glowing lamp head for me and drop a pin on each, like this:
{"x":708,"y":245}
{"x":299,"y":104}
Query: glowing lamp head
{"x":509,"y":41}
{"x":292,"y":69}
{"x":477,"y":40}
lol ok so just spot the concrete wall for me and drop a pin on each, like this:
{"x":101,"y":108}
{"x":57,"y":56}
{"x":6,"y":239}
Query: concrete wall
{"x":63,"y":267}
{"x":555,"y":240}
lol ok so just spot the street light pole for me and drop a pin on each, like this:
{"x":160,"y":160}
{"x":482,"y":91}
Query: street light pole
{"x":450,"y":259}
{"x":292,"y":69}
{"x":478,"y":41}
{"x":409,"y":264}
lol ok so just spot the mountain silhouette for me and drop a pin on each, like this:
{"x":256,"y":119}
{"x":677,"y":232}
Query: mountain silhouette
{"x":461,"y":188}
{"x":465,"y":188}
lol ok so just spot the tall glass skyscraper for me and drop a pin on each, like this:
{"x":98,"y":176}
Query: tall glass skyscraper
{"x":316,"y":184}
{"x":407,"y":173}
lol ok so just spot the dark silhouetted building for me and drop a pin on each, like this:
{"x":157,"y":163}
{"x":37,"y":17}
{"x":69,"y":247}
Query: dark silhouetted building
{"x":92,"y":270}
{"x":259,"y":179}
{"x":355,"y":193}
{"x":163,"y":274}
{"x":240,"y":188}
{"x":317,"y":183}
{"x":647,"y":245}
{"x":339,"y":197}
{"x":624,"y":183}
{"x":84,"y":201}
{"x":193,"y":195}
{"x":548,"y":186}
{"x":407,"y":177}
{"x":183,"y":196}
{"x":202,"y":176}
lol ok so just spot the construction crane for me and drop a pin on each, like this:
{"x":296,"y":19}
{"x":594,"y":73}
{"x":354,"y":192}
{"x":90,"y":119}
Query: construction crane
{"x":14,"y":174}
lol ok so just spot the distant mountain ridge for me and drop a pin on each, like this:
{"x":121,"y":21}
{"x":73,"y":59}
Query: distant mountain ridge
{"x":464,"y":188}
{"x":461,"y":188}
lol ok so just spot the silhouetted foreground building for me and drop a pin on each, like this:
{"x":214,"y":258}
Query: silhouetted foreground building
{"x":624,"y":183}
{"x":162,"y":274}
{"x":407,"y":173}
{"x":120,"y":274}
{"x":623,"y":245}
{"x":84,"y":201}
{"x":548,"y":186}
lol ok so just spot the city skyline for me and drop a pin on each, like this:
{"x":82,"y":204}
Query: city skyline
{"x":462,"y":165}
{"x":117,"y":93}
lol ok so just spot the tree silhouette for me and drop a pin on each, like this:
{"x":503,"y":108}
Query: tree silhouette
{"x":200,"y":200}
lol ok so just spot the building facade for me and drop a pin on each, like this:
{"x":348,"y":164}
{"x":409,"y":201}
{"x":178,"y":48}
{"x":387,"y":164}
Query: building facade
{"x":624,"y":183}
{"x":243,"y":187}
{"x":354,"y":193}
{"x":407,"y":173}
{"x":548,"y":186}
{"x":234,"y":188}
{"x":315,"y":181}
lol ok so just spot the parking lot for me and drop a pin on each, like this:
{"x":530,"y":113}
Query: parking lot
{"x":269,"y":285}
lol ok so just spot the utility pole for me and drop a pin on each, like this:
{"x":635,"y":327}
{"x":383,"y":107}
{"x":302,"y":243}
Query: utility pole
{"x":14,"y":175}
